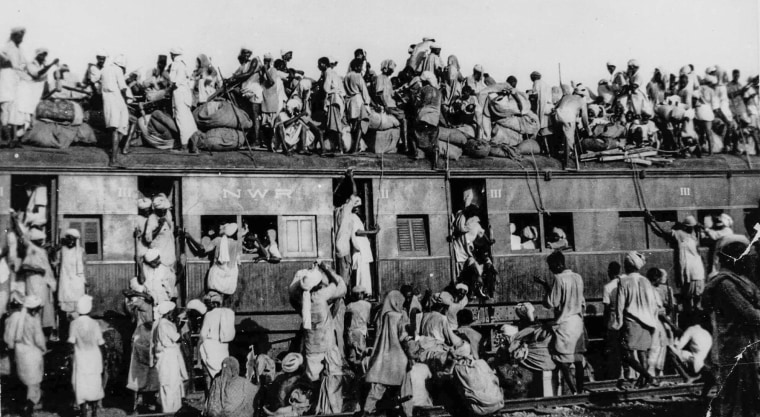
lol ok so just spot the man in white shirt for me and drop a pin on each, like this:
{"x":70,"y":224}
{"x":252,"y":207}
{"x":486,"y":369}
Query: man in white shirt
{"x":181,"y":78}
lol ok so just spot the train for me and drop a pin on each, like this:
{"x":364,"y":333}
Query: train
{"x":599,"y":205}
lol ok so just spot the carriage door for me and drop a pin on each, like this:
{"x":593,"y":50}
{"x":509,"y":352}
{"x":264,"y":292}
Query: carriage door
{"x":342,"y":190}
{"x":468,"y":193}
{"x":151,"y":186}
{"x":34,"y":198}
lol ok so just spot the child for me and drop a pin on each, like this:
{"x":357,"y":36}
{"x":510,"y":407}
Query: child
{"x":663,"y":333}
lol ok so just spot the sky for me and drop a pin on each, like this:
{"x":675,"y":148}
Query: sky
{"x":507,"y":37}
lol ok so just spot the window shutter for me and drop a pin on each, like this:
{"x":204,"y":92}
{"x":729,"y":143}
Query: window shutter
{"x":419,"y":236}
{"x":404,"y":231}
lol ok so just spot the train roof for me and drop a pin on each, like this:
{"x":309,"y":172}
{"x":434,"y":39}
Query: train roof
{"x":154,"y":161}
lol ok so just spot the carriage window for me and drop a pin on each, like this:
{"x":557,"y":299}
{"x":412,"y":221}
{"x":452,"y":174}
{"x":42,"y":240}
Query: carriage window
{"x":33,"y":198}
{"x":707,"y":217}
{"x":526,"y":236}
{"x":412,"y":234}
{"x":666,"y":218}
{"x":559,"y":232}
{"x":262,"y":230}
{"x":631,"y":231}
{"x":300,"y":236}
{"x":211,"y":225}
{"x":89,"y":228}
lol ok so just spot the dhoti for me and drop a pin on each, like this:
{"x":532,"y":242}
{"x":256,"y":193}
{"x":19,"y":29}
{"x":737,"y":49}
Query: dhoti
{"x":182,"y":99}
{"x":171,"y":375}
{"x":115,"y":112}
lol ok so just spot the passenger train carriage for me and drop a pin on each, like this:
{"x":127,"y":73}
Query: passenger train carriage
{"x":599,"y":206}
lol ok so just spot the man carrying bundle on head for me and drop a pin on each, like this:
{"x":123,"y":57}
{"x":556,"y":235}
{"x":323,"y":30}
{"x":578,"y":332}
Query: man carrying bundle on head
{"x":314,"y":292}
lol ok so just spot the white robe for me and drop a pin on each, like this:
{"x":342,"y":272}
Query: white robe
{"x":217,"y":331}
{"x":71,"y":280}
{"x":182,"y":99}
{"x":114,"y":108}
{"x":86,"y":336}
{"x":170,"y":365}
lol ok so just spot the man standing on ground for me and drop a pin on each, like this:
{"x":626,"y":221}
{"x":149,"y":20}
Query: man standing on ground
{"x":217,"y":331}
{"x":636,"y":315}
{"x":87,"y":339}
{"x":23,"y":334}
{"x":566,"y":298}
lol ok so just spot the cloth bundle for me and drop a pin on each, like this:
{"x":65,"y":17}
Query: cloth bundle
{"x":217,"y":114}
{"x":382,"y":141}
{"x":162,"y":131}
{"x":58,"y":136}
{"x":382,"y":121}
{"x":479,"y":386}
{"x":60,"y":111}
{"x":220,"y":139}
{"x":477,"y":148}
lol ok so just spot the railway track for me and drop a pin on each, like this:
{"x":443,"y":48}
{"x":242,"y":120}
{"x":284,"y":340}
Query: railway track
{"x":601,"y":393}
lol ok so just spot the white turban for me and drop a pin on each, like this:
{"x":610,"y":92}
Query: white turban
{"x":120,"y":60}
{"x":177,"y":50}
{"x":509,"y":330}
{"x":635,"y":259}
{"x":726,"y":220}
{"x":144,"y":203}
{"x":463,"y":287}
{"x":18,"y":29}
{"x":161,"y":202}
{"x":308,"y":279}
{"x":84,"y":304}
{"x":134,"y":285}
{"x":230,"y":229}
{"x":430,"y":78}
{"x":197,"y":305}
{"x":166,"y":307}
{"x":72,"y":233}
{"x":151,"y":255}
{"x":101,"y":52}
{"x":526,"y":311}
{"x":294,"y":105}
{"x":291,"y":362}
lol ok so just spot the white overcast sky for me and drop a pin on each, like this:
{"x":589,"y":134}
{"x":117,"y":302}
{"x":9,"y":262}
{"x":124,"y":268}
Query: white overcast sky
{"x":508,"y":37}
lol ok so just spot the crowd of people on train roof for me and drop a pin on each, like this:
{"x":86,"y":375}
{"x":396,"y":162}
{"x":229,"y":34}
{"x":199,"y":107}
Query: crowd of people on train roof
{"x":364,"y":352}
{"x":429,"y":108}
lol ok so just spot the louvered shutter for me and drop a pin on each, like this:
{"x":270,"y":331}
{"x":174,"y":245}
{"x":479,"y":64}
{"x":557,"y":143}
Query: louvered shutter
{"x":404,"y":231}
{"x":419,"y":235}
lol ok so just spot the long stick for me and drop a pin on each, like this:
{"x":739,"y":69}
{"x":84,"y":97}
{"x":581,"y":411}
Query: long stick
{"x":559,"y":69}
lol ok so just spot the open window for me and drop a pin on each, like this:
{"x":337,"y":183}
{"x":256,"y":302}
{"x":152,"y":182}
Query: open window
{"x":632,"y":231}
{"x":526,"y":237}
{"x":261,"y":229}
{"x":343,"y":190}
{"x":90,"y":231}
{"x":413,"y":235}
{"x":559,"y":232}
{"x":667,"y":218}
{"x":707,"y":218}
{"x":34,"y":198}
{"x":211,"y":226}
{"x":149,"y":187}
{"x":472,"y":191}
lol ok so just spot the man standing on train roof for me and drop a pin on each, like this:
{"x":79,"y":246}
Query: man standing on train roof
{"x":476,"y":81}
{"x":11,"y":73}
{"x":115,"y":111}
{"x":182,"y":80}
{"x":217,"y":331}
{"x":23,"y":334}
{"x":690,"y":271}
{"x":157,"y":78}
{"x":159,"y":231}
{"x":636,"y":316}
{"x":569,"y":108}
{"x":159,"y":279}
{"x":566,"y":298}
